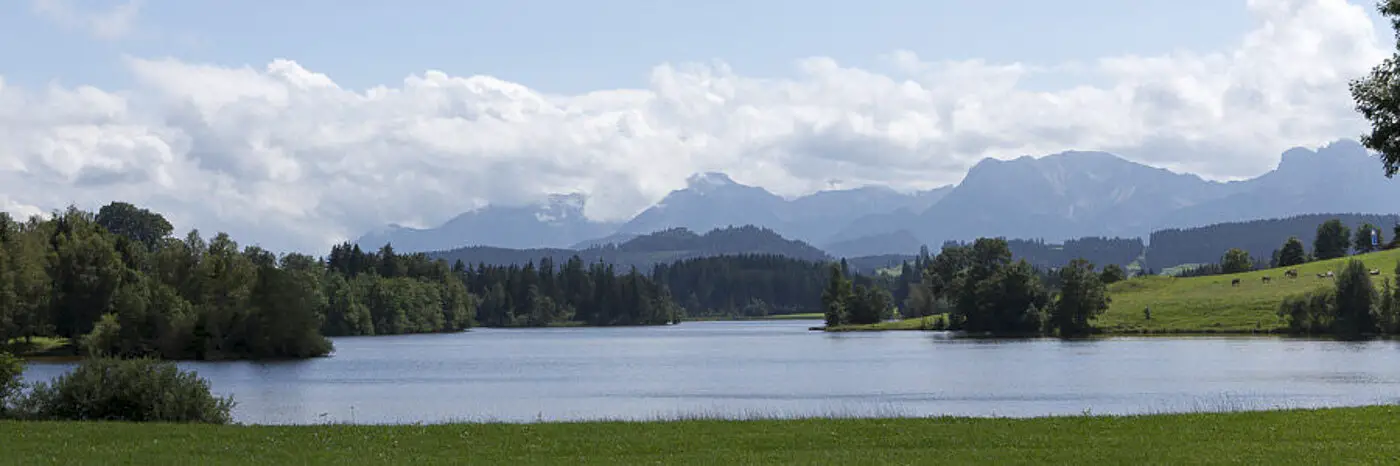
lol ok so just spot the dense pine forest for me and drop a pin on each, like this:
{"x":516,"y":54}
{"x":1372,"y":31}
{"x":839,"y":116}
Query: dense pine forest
{"x":538,"y":295}
{"x":744,"y":285}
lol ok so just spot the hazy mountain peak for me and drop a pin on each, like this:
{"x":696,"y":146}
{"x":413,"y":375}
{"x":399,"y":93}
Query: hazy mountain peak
{"x":1344,"y":146}
{"x":560,"y":207}
{"x":709,"y":180}
{"x":573,"y":200}
{"x":1337,"y":155}
{"x":1089,"y":157}
{"x":1296,"y":155}
{"x":555,"y":221}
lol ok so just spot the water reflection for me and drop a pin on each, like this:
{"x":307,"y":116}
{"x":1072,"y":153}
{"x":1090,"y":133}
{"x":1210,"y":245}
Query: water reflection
{"x":777,"y":369}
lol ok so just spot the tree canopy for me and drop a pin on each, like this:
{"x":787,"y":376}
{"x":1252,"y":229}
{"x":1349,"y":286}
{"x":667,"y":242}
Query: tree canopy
{"x":1332,"y":241}
{"x":1292,"y":253}
{"x":1377,"y":98}
{"x":1236,"y":260}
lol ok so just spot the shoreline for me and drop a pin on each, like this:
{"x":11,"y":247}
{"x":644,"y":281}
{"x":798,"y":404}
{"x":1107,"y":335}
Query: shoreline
{"x":919,"y":325}
{"x":907,"y":326}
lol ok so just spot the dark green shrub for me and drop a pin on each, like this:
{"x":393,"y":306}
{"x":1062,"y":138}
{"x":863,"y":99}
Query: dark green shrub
{"x":10,"y":370}
{"x":1310,"y":313}
{"x":137,"y":390}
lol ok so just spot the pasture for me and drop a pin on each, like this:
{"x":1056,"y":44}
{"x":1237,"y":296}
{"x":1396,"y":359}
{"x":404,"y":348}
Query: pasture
{"x":1216,"y":304}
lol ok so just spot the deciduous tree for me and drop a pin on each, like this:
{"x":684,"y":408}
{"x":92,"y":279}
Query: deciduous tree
{"x":1235,"y":261}
{"x":1292,"y":253}
{"x":1333,"y":239}
{"x":1082,"y":298}
{"x":1362,"y":241}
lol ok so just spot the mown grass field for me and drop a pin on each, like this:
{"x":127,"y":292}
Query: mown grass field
{"x":1204,"y":305}
{"x":1332,"y":436}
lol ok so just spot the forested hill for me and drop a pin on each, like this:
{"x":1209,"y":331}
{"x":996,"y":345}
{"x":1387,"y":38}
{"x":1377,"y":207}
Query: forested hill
{"x":644,"y":252}
{"x":1097,"y":250}
{"x":745,"y":285}
{"x":1260,"y":238}
{"x":1100,"y":251}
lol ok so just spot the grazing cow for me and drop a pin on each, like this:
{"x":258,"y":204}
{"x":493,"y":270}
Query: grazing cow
{"x":1265,"y":279}
{"x":1235,"y":282}
{"x":1291,"y":273}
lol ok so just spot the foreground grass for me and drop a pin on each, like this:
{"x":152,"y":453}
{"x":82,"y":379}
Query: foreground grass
{"x":1332,"y":436}
{"x":1204,"y":305}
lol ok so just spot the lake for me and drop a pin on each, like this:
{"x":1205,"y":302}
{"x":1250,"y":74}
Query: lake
{"x":780,"y":369}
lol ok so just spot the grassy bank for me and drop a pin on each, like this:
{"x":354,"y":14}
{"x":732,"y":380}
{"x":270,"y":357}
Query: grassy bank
{"x":803,"y":316}
{"x":1334,"y":436}
{"x":1205,"y":305}
{"x":918,"y":323}
{"x":39,"y":347}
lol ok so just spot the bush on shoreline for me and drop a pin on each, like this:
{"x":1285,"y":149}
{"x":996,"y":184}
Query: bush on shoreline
{"x":11,"y":368}
{"x":108,"y":389}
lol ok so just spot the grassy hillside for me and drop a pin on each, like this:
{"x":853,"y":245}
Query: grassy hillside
{"x":1211,"y":304}
{"x":1334,"y":436}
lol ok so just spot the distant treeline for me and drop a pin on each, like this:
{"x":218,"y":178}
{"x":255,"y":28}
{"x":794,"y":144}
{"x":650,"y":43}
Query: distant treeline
{"x":387,"y":287}
{"x":1332,"y":239}
{"x":574,"y":293}
{"x":1167,"y":248}
{"x":1206,"y":244}
{"x":1096,"y":250}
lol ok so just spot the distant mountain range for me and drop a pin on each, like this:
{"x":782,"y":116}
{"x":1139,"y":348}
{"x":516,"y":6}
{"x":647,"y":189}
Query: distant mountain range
{"x":644,"y":251}
{"x":556,"y":223}
{"x":1169,"y":247}
{"x":1054,"y":197}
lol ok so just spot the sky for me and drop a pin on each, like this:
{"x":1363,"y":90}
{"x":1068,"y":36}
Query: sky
{"x":298,"y":124}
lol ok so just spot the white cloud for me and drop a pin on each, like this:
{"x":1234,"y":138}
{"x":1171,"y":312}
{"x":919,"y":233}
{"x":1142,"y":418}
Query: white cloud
{"x":284,"y":156}
{"x":113,"y":23}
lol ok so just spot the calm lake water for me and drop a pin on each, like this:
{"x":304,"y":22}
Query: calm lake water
{"x":779,"y":368}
